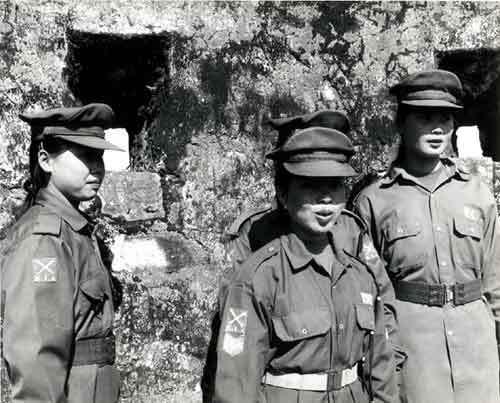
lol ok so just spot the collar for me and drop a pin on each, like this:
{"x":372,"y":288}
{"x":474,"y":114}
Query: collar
{"x":297,"y":253}
{"x":52,"y":199}
{"x":452,"y":170}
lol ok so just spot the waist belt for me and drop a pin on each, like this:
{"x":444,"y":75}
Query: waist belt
{"x":95,"y":351}
{"x":438,"y":294}
{"x":317,"y":382}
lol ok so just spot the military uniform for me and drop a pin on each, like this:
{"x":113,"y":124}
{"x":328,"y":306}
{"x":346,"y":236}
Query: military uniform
{"x":438,"y":237}
{"x":293,"y":329}
{"x":440,"y":250}
{"x":58,"y":341}
{"x":57,"y":295}
{"x":295,"y":318}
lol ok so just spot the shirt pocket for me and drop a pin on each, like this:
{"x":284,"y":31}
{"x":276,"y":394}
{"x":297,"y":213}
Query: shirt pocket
{"x":365,"y":317}
{"x":405,"y":249}
{"x":302,"y":325}
{"x":92,"y":306}
{"x":466,"y":243}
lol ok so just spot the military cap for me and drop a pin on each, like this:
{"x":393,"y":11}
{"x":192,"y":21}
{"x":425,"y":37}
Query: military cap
{"x":431,"y":88}
{"x":82,"y":125}
{"x":316,"y":151}
{"x":324,"y":118}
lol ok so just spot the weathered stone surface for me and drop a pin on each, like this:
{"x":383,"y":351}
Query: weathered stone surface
{"x":193,"y":102}
{"x":132,"y":196}
{"x":155,"y":255}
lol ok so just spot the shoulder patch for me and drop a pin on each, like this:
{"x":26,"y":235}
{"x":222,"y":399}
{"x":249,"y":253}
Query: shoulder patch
{"x":258,"y":257}
{"x":234,"y":228}
{"x":47,"y":223}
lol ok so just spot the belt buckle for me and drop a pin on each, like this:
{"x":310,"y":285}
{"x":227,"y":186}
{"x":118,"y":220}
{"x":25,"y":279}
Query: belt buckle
{"x":449,"y":294}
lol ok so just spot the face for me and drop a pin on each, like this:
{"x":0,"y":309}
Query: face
{"x":426,"y":132}
{"x":313,"y":204}
{"x":77,"y":171}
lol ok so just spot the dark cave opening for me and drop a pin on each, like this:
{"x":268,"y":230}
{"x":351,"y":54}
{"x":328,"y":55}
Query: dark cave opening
{"x":120,"y":70}
{"x":479,"y":71}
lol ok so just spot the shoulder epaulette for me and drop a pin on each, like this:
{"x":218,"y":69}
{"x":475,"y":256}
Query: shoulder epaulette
{"x":253,"y":262}
{"x":234,"y":228}
{"x":47,"y":223}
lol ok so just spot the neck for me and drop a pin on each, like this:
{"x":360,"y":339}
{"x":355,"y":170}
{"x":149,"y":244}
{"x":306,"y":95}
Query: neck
{"x":314,"y":243}
{"x":54,"y":189}
{"x":421,"y":166}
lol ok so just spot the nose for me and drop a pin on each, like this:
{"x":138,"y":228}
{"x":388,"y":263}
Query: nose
{"x":437,"y":130}
{"x":325,"y":195}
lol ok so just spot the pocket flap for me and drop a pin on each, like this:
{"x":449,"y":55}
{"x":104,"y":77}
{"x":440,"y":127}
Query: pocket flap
{"x":398,"y":230}
{"x":94,"y":287}
{"x":365,"y":316}
{"x":467,"y":227}
{"x":302,"y":325}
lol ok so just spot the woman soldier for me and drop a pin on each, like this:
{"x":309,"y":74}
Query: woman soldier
{"x":301,"y":320}
{"x":435,"y":227}
{"x":58,"y":342}
{"x":254,"y":229}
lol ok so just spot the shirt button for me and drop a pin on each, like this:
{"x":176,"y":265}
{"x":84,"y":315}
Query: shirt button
{"x":271,"y":248}
{"x":443,"y":263}
{"x":438,"y":228}
{"x":341,"y":326}
{"x":450,"y":333}
{"x":304,"y":331}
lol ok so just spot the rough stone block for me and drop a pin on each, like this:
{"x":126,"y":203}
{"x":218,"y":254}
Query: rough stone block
{"x":132,"y":196}
{"x":154,"y":255}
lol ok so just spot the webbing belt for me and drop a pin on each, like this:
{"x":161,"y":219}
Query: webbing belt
{"x":315,"y":382}
{"x":438,"y":294}
{"x":95,"y":351}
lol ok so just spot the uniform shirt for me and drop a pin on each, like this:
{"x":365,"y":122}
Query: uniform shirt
{"x":444,"y":235}
{"x":252,"y":231}
{"x":56,"y":291}
{"x":284,"y":313}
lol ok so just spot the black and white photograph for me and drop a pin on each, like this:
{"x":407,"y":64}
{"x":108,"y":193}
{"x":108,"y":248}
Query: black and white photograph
{"x":249,"y":201}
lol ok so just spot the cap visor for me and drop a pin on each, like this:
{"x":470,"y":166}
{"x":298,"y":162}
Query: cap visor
{"x":322,"y":168}
{"x":432,"y":103}
{"x":91,"y":142}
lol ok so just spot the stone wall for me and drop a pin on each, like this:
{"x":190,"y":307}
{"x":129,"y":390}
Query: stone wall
{"x":192,"y":83}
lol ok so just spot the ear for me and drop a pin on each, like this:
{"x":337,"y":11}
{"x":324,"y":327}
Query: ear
{"x":44,"y":161}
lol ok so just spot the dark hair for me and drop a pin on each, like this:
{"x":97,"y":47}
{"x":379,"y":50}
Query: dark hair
{"x":281,"y":180}
{"x":38,"y":179}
